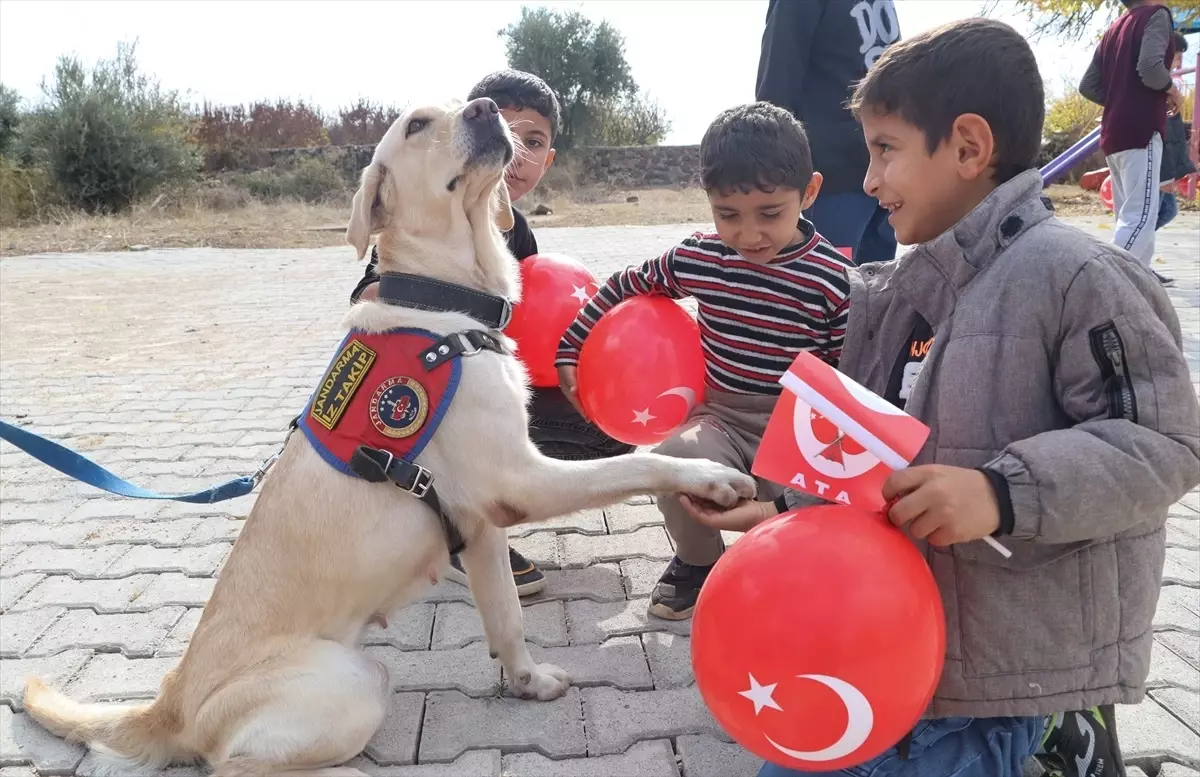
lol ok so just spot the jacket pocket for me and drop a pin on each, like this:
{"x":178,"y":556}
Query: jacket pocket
{"x":1030,"y":613}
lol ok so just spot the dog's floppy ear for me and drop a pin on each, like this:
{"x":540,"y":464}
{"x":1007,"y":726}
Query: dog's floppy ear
{"x":504,"y":214}
{"x":366,"y":217}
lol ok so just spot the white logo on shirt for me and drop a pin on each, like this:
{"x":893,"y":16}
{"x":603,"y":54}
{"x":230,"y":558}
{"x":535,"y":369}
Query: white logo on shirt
{"x":878,"y":26}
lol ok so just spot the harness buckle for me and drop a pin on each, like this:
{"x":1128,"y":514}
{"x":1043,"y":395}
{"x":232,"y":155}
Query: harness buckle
{"x":263,"y":468}
{"x":421,"y":483}
{"x":506,"y":313}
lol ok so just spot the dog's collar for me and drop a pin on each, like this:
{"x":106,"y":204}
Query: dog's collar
{"x":416,"y":291}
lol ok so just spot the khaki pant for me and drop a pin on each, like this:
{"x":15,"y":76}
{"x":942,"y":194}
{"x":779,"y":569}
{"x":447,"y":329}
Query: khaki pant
{"x":726,"y":429}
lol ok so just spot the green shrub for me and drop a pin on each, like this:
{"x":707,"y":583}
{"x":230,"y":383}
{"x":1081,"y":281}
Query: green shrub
{"x":110,"y":136}
{"x":309,"y":180}
{"x":10,"y":117}
{"x":25,"y":194}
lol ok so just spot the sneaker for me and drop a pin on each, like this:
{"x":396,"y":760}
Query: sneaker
{"x":1082,"y":743}
{"x":674,"y":597}
{"x":1163,"y":279}
{"x":526,"y":575}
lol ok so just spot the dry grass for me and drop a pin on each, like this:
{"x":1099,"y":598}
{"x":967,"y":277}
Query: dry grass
{"x":295,"y":225}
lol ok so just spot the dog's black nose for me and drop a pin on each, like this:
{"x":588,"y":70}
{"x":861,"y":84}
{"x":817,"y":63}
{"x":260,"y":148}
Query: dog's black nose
{"x":480,"y":109}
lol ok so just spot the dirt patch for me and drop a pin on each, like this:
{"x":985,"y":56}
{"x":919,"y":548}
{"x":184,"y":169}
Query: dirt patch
{"x":299,"y":225}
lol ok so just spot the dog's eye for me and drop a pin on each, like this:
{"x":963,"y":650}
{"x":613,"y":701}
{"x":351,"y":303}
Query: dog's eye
{"x":415,"y":126}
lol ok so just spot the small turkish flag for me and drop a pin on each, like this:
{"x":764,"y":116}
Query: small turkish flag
{"x":830,"y":437}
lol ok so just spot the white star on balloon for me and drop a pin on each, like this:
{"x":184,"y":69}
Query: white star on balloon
{"x":581,"y":294}
{"x":642,"y":417}
{"x":761,"y":695}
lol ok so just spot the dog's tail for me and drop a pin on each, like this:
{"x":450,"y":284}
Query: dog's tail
{"x":145,"y":734}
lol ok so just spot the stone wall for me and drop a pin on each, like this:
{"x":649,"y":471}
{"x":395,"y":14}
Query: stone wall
{"x":619,"y":167}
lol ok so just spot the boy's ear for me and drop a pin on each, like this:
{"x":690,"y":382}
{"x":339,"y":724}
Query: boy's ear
{"x":973,"y":144}
{"x":811,"y":191}
{"x":549,"y":160}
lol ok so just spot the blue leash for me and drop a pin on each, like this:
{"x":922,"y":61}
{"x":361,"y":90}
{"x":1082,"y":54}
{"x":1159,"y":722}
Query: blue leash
{"x":87,"y":471}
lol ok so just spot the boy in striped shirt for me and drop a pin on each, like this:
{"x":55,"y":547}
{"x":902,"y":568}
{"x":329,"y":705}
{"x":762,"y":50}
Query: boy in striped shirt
{"x":768,"y":286}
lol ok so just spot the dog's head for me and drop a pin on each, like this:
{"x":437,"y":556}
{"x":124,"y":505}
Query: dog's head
{"x":435,"y":182}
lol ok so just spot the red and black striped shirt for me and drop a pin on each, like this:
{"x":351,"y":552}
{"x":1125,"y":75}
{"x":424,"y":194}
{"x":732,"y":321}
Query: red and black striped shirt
{"x":754,"y":319}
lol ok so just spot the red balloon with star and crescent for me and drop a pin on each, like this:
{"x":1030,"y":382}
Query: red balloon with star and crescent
{"x":641,"y":370}
{"x":819,"y":638}
{"x":553,"y":289}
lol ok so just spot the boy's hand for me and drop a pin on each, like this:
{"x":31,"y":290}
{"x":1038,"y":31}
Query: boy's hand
{"x":743,"y":516}
{"x":566,"y":382}
{"x":945,"y":505}
{"x":1174,"y":100}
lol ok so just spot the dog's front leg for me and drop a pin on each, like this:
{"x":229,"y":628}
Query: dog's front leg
{"x":490,"y":576}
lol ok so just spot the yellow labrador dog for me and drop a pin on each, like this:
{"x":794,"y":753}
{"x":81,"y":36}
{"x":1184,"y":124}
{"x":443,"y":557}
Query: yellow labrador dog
{"x":273,"y":682}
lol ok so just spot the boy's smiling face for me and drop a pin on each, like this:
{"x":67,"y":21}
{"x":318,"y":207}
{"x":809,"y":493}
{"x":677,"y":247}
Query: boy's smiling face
{"x":530,"y":164}
{"x":926,"y":193}
{"x":758,"y":224}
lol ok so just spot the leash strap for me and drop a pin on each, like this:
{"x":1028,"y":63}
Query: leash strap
{"x":87,"y":471}
{"x":415,"y":291}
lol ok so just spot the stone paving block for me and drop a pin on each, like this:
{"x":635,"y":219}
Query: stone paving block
{"x":1166,"y":668}
{"x":17,"y":771}
{"x":1186,"y":646}
{"x":1177,"y":770}
{"x":111,"y":531}
{"x":1150,"y":732}
{"x":445,"y":591}
{"x":12,"y":513}
{"x":136,"y":635}
{"x":19,"y":630}
{"x":596,"y":621}
{"x":457,"y":624}
{"x":216,"y":529}
{"x":618,"y":662}
{"x":477,"y":763}
{"x":57,"y":671}
{"x":1191,"y":500}
{"x":113,"y":677}
{"x":455,"y":723}
{"x":599,"y":582}
{"x":78,"y":562}
{"x":670,"y":659}
{"x":626,"y":517}
{"x":408,"y":628}
{"x":704,"y":756}
{"x":1177,"y":609}
{"x":1183,"y":567}
{"x":1183,"y":704}
{"x":173,"y":589}
{"x":542,"y":548}
{"x":644,"y":759}
{"x":640,"y":575}
{"x":236,"y":508}
{"x":202,"y":561}
{"x":115,"y":508}
{"x":396,"y":740}
{"x":24,"y":741}
{"x":469,"y":669}
{"x":99,"y":595}
{"x":8,"y":551}
{"x":581,"y":550}
{"x":583,"y":522}
{"x":180,"y":634}
{"x":1183,"y":533}
{"x":616,"y":719}
{"x":94,"y":765}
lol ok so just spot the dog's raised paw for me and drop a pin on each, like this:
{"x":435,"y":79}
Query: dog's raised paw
{"x":543,"y":682}
{"x":717,"y":483}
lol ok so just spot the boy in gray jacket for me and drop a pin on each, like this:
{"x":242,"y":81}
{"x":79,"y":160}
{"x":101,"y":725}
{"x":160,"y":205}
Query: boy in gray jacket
{"x":1063,"y":418}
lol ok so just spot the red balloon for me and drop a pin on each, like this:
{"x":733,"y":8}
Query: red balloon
{"x":641,"y":370}
{"x":818,"y":638}
{"x":553,"y":289}
{"x":1106,"y":192}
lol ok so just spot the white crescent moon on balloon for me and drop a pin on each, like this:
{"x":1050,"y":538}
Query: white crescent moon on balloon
{"x":858,"y":726}
{"x":684,"y":393}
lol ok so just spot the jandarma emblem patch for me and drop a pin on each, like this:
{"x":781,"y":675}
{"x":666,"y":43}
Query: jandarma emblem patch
{"x":399,"y":407}
{"x":340,"y":383}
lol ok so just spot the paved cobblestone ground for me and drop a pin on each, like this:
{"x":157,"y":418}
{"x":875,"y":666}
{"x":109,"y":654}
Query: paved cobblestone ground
{"x":181,"y":368}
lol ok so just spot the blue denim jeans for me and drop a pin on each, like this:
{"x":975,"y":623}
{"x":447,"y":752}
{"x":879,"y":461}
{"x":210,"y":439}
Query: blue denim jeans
{"x":949,"y":747}
{"x":857,"y":222}
{"x":1168,"y":209}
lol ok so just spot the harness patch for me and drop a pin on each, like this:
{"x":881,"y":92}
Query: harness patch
{"x":399,"y":407}
{"x":340,"y":383}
